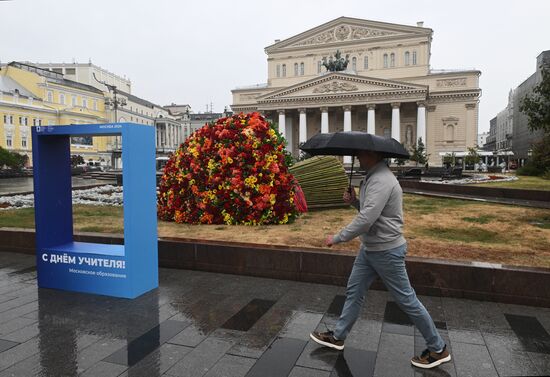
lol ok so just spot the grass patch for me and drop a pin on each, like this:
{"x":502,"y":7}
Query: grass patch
{"x":426,"y":205}
{"x":482,"y":219}
{"x":523,"y":182}
{"x":541,"y":222}
{"x":17,"y":218}
{"x":468,"y":235}
{"x":101,"y":229}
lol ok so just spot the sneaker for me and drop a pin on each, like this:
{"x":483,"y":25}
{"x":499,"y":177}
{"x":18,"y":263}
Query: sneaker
{"x":429,"y":359}
{"x":327,"y":339}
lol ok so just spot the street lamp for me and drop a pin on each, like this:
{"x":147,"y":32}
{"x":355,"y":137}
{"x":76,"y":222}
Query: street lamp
{"x":114,"y":104}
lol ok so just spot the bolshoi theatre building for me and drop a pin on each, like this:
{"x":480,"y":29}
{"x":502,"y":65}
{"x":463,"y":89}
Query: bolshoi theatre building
{"x":387,"y":88}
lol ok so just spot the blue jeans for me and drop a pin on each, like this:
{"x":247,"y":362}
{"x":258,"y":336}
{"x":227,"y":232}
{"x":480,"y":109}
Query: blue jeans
{"x":390,"y":266}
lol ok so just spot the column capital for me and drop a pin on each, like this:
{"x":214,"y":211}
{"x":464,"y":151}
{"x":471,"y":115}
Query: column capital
{"x":395,"y":105}
{"x":470,"y":106}
{"x":371,"y":106}
{"x":431,"y":108}
{"x":347,"y":107}
{"x":421,"y":104}
{"x":324,"y":109}
{"x":302,"y":110}
{"x":281,"y":111}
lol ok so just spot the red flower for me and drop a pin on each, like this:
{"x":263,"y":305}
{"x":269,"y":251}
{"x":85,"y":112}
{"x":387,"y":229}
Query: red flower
{"x":219,"y":175}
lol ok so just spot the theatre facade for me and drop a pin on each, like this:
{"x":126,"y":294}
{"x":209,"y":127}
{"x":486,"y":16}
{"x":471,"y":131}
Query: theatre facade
{"x":387,"y":89}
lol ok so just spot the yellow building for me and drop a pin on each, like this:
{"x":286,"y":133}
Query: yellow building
{"x":32,"y":96}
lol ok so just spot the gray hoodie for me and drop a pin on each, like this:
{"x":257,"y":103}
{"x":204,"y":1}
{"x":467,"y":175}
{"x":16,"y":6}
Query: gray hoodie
{"x":379,"y":223}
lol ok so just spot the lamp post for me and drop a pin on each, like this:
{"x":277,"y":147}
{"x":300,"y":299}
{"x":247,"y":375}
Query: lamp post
{"x":115,"y":103}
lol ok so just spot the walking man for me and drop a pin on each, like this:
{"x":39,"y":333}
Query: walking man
{"x":379,"y":224}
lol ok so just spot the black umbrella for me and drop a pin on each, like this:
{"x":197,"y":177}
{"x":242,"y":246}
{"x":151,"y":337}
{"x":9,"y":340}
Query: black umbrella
{"x":350,"y":143}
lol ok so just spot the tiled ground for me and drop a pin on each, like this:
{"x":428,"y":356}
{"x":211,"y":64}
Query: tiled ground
{"x":204,"y":324}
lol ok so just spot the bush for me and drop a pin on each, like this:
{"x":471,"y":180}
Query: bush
{"x":233,"y":171}
{"x":530,"y":170}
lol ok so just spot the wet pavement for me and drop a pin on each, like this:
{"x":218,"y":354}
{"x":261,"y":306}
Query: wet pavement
{"x":214,"y":325}
{"x":25,"y":184}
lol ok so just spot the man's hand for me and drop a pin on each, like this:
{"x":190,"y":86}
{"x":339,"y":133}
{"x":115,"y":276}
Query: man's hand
{"x":329,"y":241}
{"x":349,"y":196}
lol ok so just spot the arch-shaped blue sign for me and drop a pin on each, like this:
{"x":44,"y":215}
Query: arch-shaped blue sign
{"x":127,"y":270}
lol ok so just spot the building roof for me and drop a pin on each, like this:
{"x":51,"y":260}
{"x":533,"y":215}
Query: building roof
{"x":9,"y":85}
{"x":54,"y":77}
{"x":138,"y":100}
{"x":206,"y":116}
{"x":412,"y":30}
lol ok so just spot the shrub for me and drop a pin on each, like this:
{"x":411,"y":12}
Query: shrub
{"x":529,"y":169}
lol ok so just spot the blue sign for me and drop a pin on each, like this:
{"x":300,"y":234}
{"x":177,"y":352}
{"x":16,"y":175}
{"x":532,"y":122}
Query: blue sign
{"x":127,"y":270}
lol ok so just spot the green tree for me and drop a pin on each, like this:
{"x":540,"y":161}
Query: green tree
{"x":536,"y":105}
{"x":472,"y":157}
{"x":12,"y":160}
{"x":76,"y":159}
{"x":449,"y":159}
{"x":5,"y":157}
{"x":418,"y":153}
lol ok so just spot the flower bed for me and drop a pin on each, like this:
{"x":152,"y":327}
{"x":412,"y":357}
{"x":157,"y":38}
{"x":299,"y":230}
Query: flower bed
{"x":102,"y":195}
{"x":476,"y":178}
{"x":233,"y":171}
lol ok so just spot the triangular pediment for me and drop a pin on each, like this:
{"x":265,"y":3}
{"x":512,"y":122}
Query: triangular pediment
{"x":341,"y":83}
{"x":346,"y":29}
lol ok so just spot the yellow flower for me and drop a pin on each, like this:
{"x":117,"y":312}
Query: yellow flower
{"x":250,"y":181}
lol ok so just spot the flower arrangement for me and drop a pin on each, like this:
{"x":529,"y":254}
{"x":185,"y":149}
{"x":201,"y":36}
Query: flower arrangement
{"x":233,"y":171}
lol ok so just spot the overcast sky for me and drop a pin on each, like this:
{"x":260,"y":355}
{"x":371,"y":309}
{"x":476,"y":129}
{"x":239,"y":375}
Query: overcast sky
{"x":196,"y":51}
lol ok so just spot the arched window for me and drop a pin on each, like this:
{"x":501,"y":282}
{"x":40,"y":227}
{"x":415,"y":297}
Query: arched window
{"x":284,"y":70}
{"x":385,"y":60}
{"x":50,"y":97}
{"x":302,"y":69}
{"x":414,"y":57}
{"x":62,"y":98}
{"x":319,"y":66}
{"x":449,"y":132}
{"x":366,"y":63}
{"x":295,"y":69}
{"x":407,"y":57}
{"x":392,"y":60}
{"x":354,"y":64}
{"x":278,"y":70}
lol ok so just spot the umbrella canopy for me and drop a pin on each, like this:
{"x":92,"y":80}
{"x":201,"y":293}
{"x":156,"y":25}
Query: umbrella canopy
{"x":350,"y":143}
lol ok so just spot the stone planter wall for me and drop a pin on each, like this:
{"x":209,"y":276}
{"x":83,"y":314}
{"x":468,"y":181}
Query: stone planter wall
{"x":480,"y":281}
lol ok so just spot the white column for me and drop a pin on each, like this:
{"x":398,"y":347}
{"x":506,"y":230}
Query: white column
{"x":324,"y":120}
{"x":302,"y":137}
{"x":347,"y":127}
{"x":289,"y":132}
{"x":395,"y":122}
{"x":421,"y":123}
{"x":371,"y":129}
{"x":470,"y":131}
{"x":282,"y":123}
